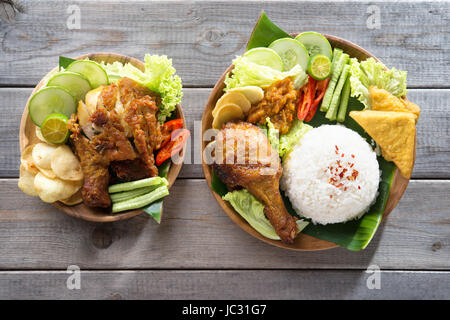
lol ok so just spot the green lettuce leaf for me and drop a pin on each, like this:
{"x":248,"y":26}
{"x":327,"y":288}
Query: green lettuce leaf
{"x":371,"y":73}
{"x":159,"y":76}
{"x":252,"y":211}
{"x":273,"y":135}
{"x":290,"y":139}
{"x":247,"y":73}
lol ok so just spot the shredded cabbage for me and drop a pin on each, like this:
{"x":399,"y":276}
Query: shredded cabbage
{"x":247,"y":73}
{"x":371,"y":73}
{"x":159,"y":76}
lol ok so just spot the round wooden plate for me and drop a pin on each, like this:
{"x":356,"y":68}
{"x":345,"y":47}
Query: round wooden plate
{"x":303,"y":242}
{"x":27,"y":136}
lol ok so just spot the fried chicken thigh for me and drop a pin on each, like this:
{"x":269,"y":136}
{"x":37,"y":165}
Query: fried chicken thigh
{"x":245,"y":158}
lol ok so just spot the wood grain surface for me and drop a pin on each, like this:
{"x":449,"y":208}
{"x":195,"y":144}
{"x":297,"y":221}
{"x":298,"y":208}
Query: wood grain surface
{"x":226,"y":285}
{"x":197,"y":252}
{"x":203,"y":37}
{"x":196,"y":234}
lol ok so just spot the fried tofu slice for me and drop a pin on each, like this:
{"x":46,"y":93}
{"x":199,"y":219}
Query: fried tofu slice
{"x":383,"y":100}
{"x":394,"y":132}
{"x":412,"y":107}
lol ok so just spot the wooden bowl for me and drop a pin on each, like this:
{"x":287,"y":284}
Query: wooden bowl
{"x":27,"y":136}
{"x":303,"y":242}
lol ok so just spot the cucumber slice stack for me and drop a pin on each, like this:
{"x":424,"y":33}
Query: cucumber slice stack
{"x":315,"y":43}
{"x":77,"y":84}
{"x":65,"y":89}
{"x":95,"y":74}
{"x":50,"y":100}
{"x":291,"y":52}
{"x":266,"y":57}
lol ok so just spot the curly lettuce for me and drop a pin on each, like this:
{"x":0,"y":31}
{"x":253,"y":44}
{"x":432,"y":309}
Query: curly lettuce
{"x":159,"y":76}
{"x":371,"y":73}
{"x":247,"y":73}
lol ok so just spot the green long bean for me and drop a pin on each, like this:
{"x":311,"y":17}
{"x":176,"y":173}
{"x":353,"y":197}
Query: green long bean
{"x":327,"y":99}
{"x":125,"y":195}
{"x":140,"y":201}
{"x":336,"y":68}
{"x":344,"y":101}
{"x":332,"y":111}
{"x":127,"y":186}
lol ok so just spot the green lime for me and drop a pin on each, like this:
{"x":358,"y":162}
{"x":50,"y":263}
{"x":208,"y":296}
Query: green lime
{"x":54,"y":128}
{"x":319,"y":67}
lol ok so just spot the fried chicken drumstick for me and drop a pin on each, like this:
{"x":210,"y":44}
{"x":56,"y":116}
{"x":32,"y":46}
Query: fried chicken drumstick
{"x":244,"y":157}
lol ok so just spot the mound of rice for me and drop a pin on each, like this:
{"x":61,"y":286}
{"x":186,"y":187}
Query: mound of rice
{"x":332,"y":175}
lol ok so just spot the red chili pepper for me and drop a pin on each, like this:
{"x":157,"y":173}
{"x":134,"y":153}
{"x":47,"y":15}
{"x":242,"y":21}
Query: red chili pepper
{"x":306,"y":98}
{"x":174,"y":145}
{"x":169,"y":127}
{"x":321,"y":87}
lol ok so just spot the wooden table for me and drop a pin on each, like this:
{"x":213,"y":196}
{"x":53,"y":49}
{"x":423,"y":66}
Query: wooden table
{"x":197,"y":252}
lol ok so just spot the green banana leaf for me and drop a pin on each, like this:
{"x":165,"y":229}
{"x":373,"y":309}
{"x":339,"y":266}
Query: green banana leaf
{"x":265,"y":32}
{"x":353,"y":235}
{"x":154,"y":209}
{"x":64,"y":62}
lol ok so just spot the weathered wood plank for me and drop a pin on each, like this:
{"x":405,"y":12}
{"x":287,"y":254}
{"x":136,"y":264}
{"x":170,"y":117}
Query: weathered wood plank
{"x":196,"y":233}
{"x":203,"y":37}
{"x":433,"y":139}
{"x":244,"y":284}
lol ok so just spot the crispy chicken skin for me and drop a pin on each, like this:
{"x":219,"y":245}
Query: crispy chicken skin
{"x":94,"y":166}
{"x":124,"y":110}
{"x":245,"y":158}
{"x":141,"y":118}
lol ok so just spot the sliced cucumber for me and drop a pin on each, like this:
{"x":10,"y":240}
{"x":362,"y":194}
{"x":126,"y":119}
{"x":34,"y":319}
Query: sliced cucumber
{"x":315,"y":43}
{"x":266,"y":57}
{"x":50,"y":100}
{"x":77,"y":84}
{"x":291,"y":52}
{"x":91,"y":70}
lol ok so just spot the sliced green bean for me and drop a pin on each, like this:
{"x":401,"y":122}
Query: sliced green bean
{"x":140,"y":201}
{"x":332,"y":111}
{"x":344,"y":101}
{"x":137,"y":184}
{"x":336,"y":72}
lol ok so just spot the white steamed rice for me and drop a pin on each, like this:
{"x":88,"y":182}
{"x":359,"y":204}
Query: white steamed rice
{"x":316,"y":183}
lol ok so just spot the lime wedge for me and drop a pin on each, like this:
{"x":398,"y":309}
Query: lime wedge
{"x":319,"y":67}
{"x":54,"y":128}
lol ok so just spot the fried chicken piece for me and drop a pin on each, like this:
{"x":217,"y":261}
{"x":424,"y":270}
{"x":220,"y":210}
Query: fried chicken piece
{"x":95,"y":169}
{"x":130,"y":89}
{"x":141,"y":118}
{"x":112,"y":141}
{"x":130,"y":170}
{"x":244,"y":157}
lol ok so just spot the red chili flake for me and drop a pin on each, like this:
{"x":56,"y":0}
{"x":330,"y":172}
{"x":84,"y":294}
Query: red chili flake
{"x":345,"y":188}
{"x":331,"y":196}
{"x":342,"y":155}
{"x":353,"y":155}
{"x":359,"y":187}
